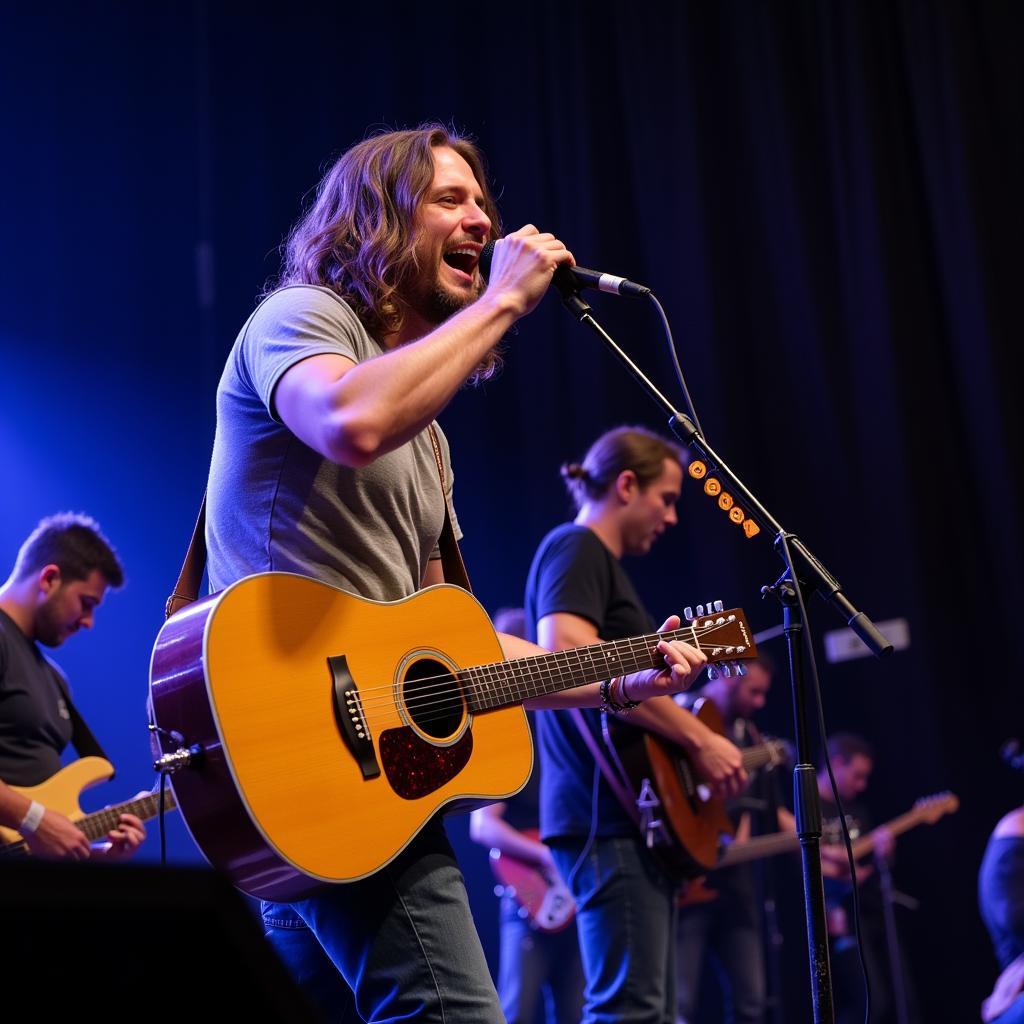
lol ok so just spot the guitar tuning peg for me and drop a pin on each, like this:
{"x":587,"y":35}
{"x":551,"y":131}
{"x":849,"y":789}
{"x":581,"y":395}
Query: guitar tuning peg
{"x":719,"y":606}
{"x":688,"y":613}
{"x":700,"y":610}
{"x":741,"y":669}
{"x":712,"y":673}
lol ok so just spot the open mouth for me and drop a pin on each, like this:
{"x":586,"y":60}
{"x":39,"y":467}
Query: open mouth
{"x":463,"y":260}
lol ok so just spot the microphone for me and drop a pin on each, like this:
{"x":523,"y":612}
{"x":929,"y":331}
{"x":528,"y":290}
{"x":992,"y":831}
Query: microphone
{"x":571,"y":279}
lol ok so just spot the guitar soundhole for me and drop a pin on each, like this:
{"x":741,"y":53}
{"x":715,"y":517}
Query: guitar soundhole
{"x":433,"y":698}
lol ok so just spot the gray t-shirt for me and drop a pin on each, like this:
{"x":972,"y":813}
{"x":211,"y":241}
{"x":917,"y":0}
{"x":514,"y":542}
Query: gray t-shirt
{"x":274,"y":504}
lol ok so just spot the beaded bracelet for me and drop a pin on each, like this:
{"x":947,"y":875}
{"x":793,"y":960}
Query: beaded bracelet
{"x":609,"y":702}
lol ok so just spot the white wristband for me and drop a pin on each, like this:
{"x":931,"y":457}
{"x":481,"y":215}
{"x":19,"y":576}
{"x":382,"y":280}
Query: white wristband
{"x":33,"y":816}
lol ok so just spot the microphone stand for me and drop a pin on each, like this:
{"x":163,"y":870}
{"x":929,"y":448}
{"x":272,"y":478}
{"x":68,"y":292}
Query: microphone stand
{"x":803,"y":574}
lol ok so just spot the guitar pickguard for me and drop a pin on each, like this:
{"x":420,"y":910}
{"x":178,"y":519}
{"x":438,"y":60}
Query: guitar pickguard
{"x":415,"y":767}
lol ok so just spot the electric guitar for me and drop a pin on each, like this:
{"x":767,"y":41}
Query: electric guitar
{"x":327,"y":729}
{"x":926,"y":811}
{"x":685,"y":825}
{"x":546,"y":901}
{"x":60,"y":793}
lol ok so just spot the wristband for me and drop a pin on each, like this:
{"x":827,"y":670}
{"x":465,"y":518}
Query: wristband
{"x":33,"y":817}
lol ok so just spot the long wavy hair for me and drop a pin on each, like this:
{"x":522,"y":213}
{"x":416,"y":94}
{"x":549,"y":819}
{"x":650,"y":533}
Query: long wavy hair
{"x":358,"y":237}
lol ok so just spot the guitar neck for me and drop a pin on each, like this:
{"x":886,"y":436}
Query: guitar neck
{"x":785,"y":842}
{"x":99,"y":823}
{"x":722,"y":637}
{"x":763,"y":753}
{"x":760,"y":846}
{"x":899,"y":825}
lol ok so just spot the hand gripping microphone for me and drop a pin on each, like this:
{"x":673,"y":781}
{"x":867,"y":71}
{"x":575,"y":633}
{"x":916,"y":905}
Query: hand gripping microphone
{"x":572,"y":279}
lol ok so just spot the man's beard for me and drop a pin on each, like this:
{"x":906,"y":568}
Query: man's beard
{"x":437,"y":303}
{"x":48,"y":631}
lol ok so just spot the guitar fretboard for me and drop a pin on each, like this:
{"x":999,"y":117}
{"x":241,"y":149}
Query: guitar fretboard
{"x":770,"y":752}
{"x":99,"y":823}
{"x":504,"y":683}
{"x":758,"y":847}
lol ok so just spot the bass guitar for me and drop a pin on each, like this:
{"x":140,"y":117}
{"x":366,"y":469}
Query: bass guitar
{"x":326,"y":730}
{"x":61,"y":792}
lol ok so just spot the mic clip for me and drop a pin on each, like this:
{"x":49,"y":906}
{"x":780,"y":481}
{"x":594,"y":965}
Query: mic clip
{"x":569,"y":289}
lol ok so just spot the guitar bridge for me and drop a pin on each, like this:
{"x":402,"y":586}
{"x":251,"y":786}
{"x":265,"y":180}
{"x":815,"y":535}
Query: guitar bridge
{"x":348,"y":713}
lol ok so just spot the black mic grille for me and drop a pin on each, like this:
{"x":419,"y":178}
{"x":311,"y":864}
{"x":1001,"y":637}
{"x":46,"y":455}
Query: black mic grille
{"x":485,"y":259}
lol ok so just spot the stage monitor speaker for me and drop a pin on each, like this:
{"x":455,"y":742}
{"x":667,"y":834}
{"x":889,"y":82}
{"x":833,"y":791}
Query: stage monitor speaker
{"x":138,"y":942}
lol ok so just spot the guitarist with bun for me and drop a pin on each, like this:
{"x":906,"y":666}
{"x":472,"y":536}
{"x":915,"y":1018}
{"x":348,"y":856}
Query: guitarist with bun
{"x":537,"y":967}
{"x":730,"y":926}
{"x":577,"y":593}
{"x":61,"y":575}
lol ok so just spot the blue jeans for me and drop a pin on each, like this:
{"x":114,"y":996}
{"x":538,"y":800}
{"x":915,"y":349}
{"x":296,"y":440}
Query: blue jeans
{"x":626,"y":920}
{"x":734,"y":938}
{"x":540,"y":977}
{"x":403,"y":941}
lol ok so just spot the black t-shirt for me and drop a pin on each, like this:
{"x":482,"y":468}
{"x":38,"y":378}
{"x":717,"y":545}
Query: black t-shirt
{"x":574,"y":572}
{"x":35,"y":725}
{"x":1001,"y":896}
{"x":838,"y":892}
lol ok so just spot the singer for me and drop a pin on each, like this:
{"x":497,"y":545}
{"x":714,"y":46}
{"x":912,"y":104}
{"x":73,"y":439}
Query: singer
{"x":327,"y":463}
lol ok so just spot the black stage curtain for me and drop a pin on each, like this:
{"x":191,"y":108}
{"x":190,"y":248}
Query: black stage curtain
{"x":825,"y":196}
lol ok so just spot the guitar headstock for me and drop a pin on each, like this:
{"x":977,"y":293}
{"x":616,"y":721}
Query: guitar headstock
{"x":931,"y":808}
{"x":723,"y":635}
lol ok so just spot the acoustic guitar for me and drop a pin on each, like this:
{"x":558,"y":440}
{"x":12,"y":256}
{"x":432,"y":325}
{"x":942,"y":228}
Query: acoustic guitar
{"x":61,"y":793}
{"x":692,"y":823}
{"x":332,"y":728}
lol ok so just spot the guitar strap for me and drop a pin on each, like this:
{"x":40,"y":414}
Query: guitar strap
{"x":623,"y":793}
{"x":451,"y":556}
{"x":186,"y":590}
{"x":82,"y":738}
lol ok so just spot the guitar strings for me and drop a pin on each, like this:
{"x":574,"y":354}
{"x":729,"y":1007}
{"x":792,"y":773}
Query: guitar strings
{"x":418,"y":700}
{"x":502,"y":667}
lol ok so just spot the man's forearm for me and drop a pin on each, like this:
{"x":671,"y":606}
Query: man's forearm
{"x":13,"y":806}
{"x":382,"y":403}
{"x":665,"y":717}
